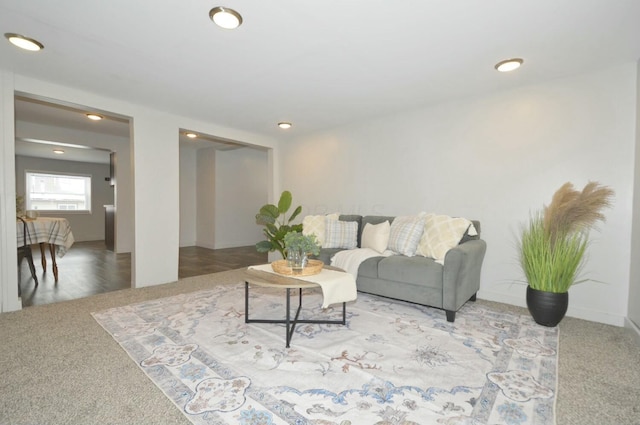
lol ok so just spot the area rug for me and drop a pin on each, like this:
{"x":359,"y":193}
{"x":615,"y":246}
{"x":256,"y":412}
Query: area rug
{"x":392,"y":363}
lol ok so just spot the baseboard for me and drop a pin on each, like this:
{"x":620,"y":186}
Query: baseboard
{"x":577,"y":312}
{"x":222,"y":245}
{"x":502,"y":298}
{"x":205,"y":245}
{"x":635,"y":330}
{"x":234,"y":244}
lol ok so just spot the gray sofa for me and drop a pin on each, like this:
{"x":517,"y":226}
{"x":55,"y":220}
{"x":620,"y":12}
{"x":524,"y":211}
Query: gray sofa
{"x":419,"y":279}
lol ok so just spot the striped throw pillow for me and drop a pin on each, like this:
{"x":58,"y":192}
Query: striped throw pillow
{"x":405,"y":234}
{"x":340,"y":234}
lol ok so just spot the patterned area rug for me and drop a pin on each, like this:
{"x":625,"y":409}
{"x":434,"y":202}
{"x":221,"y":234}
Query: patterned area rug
{"x":393,"y":363}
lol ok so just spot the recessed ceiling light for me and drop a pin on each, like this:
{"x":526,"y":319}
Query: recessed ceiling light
{"x":225,"y":18}
{"x":284,"y":125}
{"x":191,"y":135}
{"x":509,"y":65}
{"x":23,"y":42}
{"x":94,"y":117}
{"x":58,"y":151}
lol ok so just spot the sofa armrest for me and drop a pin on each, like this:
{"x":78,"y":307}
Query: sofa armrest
{"x":461,"y":275}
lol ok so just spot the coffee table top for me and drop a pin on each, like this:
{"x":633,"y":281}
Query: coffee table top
{"x":273,"y":280}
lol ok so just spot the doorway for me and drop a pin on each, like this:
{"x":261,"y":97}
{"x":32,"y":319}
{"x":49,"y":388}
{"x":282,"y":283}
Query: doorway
{"x":85,"y":147}
{"x":223,"y":184}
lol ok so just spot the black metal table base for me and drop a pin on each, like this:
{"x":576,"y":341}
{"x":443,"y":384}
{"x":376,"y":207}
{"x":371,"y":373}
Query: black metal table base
{"x":290,"y":324}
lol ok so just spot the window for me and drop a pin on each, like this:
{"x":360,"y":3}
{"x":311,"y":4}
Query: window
{"x":57,"y":192}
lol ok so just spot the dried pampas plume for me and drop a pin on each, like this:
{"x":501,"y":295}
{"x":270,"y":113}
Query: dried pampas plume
{"x":572,"y":211}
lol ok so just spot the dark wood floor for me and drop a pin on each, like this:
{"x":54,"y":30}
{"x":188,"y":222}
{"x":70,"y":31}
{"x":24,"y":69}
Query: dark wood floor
{"x":89,"y":269}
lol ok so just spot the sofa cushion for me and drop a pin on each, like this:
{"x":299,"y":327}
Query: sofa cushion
{"x":405,"y":234}
{"x":314,"y":225}
{"x":340,"y":234}
{"x":415,"y":270}
{"x":441,"y":233}
{"x":369,"y":267}
{"x":376,"y":236}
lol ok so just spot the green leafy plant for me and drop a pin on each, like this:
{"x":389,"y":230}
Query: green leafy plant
{"x":307,"y":244}
{"x":554,"y":243}
{"x":19,"y":205}
{"x":276,"y":224}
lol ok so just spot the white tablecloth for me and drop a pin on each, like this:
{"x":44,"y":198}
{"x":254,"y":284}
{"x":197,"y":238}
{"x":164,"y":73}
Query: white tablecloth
{"x":51,"y":230}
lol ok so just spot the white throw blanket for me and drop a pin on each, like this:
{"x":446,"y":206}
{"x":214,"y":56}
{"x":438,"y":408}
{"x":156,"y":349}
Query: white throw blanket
{"x":337,"y":287}
{"x":349,"y":260}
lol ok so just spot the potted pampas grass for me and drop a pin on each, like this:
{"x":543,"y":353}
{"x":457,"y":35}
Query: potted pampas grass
{"x":553,"y":247}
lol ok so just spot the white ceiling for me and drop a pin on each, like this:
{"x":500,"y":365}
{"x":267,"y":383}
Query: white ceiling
{"x":318,"y":64}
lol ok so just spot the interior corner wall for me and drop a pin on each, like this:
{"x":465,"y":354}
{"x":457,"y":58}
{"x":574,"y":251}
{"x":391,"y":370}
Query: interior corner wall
{"x":206,"y":198}
{"x":495,"y":158}
{"x":634,"y":281}
{"x":241,"y":189}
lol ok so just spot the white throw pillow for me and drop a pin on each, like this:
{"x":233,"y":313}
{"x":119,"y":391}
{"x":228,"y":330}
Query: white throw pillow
{"x":340,"y":234}
{"x":376,"y":236}
{"x":405,"y":233}
{"x":314,"y":225}
{"x":441,"y":233}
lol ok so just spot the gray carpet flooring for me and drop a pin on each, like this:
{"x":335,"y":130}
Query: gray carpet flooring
{"x":58,"y":366}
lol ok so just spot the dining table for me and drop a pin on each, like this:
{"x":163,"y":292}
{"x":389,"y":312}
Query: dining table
{"x":52,"y":231}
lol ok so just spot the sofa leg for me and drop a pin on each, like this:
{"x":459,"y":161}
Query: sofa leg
{"x":473,"y":297}
{"x":451,"y":315}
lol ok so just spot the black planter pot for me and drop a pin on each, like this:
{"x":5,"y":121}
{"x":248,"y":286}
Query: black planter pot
{"x":547,"y":308}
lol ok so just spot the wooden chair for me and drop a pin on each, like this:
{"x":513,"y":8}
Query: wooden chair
{"x":24,"y":251}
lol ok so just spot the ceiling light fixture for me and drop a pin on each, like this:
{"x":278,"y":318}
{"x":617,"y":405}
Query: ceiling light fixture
{"x":23,"y":42}
{"x":225,"y":18}
{"x":509,"y":65}
{"x":284,"y":125}
{"x":58,"y":151}
{"x":191,"y":135}
{"x":94,"y":117}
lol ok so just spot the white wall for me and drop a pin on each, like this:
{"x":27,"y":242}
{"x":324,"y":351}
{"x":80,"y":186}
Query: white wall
{"x":494,"y":158}
{"x":241,"y":189}
{"x":220,"y":193}
{"x":9,"y":300}
{"x":188,"y":197}
{"x":206,"y":198}
{"x":634,"y":281}
{"x":85,"y":227}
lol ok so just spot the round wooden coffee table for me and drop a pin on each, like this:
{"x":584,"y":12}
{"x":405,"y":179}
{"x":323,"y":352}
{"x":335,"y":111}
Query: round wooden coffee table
{"x":271,"y":280}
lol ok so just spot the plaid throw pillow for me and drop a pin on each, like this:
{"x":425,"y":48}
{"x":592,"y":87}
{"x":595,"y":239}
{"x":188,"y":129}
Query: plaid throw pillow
{"x":405,"y":234}
{"x":340,"y":234}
